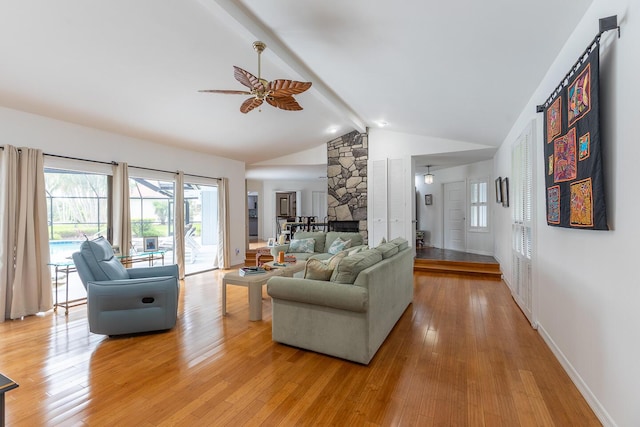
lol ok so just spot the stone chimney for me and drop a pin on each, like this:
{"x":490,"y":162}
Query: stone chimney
{"x":347,"y":179}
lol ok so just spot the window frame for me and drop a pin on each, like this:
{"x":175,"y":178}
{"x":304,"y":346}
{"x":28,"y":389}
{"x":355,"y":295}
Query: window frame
{"x":476,"y":182}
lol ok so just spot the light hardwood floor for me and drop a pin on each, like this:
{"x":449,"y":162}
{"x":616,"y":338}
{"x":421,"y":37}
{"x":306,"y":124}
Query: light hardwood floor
{"x":461,"y":355}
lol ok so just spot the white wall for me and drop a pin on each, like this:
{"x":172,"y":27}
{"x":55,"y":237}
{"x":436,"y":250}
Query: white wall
{"x":430,"y":218}
{"x":268,"y":210}
{"x":57,"y":137}
{"x":587,"y":286}
{"x":396,"y":145}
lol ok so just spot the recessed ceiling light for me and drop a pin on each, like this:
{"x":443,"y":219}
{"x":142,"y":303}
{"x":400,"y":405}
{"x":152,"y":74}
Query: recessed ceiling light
{"x":332,"y":129}
{"x":381,"y":123}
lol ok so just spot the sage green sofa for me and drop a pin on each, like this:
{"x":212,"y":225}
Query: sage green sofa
{"x":322,"y":243}
{"x":351,"y":315}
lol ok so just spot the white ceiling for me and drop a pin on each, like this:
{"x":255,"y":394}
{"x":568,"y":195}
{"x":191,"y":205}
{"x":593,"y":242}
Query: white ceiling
{"x":460,"y":70}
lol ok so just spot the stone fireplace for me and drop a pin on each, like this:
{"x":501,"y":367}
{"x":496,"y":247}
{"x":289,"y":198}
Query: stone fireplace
{"x":350,"y":226}
{"x":347,"y":181}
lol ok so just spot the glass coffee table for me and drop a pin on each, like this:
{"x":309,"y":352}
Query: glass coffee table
{"x":6,"y":384}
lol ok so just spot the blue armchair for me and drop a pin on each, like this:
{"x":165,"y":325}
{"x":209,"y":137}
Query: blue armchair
{"x":125,"y":301}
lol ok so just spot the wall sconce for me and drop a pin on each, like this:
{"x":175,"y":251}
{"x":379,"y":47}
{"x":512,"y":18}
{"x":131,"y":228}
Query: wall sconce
{"x":428,"y":178}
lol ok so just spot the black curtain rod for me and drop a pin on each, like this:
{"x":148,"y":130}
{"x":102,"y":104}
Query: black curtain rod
{"x":115,"y":163}
{"x":606,"y":24}
{"x":160,"y":170}
{"x":82,"y":160}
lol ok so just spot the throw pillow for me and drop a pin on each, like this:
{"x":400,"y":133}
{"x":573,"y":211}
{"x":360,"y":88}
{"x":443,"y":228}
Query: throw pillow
{"x":401,"y":243}
{"x":322,"y":270}
{"x":387,"y":250}
{"x":339,"y":245}
{"x":302,"y":245}
{"x":350,"y":267}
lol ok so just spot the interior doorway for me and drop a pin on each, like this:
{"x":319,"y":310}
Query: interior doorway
{"x":252,"y":214}
{"x":286,"y":204}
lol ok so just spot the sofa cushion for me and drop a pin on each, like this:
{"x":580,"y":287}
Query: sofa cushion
{"x":302,"y":245}
{"x":316,"y":269}
{"x":98,"y":254}
{"x":339,"y":245}
{"x":318,"y":236}
{"x":349,"y":267}
{"x":353,"y":251}
{"x":401,"y":243}
{"x":355,"y":237}
{"x":387,"y":250}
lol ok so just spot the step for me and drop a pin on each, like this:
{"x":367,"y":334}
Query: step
{"x":458,"y":267}
{"x":250,"y":257}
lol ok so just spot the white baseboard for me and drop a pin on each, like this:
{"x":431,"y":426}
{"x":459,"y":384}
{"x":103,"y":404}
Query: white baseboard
{"x":591,"y":399}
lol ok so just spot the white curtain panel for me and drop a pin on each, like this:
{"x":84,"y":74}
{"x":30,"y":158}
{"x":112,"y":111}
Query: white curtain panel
{"x":179,"y":223}
{"x":224,"y":254}
{"x":121,"y":209}
{"x":25,"y":284}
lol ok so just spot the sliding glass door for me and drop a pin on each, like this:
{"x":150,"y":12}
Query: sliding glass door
{"x":151,"y":207}
{"x":78,"y":208}
{"x":201,"y":226}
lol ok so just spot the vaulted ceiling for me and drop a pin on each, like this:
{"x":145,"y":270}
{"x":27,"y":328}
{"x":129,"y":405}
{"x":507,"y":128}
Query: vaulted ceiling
{"x":460,"y":70}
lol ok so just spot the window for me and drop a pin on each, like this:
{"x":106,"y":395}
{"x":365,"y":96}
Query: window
{"x":77,"y":206}
{"x":522,"y":196}
{"x":478,"y":220}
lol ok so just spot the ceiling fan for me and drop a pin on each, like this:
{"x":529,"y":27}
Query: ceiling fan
{"x":278,"y":93}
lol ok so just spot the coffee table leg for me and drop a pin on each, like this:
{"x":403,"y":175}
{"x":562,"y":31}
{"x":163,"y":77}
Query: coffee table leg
{"x":255,"y":301}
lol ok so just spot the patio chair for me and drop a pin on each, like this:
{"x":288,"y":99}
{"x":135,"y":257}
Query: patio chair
{"x":125,"y":300}
{"x":192,"y":247}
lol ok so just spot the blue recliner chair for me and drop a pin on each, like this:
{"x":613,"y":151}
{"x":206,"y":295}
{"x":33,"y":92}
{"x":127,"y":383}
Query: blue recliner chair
{"x":125,"y":301}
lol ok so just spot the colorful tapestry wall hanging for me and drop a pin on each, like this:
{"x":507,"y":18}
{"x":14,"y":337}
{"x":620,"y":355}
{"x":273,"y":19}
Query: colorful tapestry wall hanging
{"x":573,"y":172}
{"x":554,"y":122}
{"x":565,"y":164}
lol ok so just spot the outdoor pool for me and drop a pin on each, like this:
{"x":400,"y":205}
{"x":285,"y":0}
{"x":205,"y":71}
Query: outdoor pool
{"x":61,"y":250}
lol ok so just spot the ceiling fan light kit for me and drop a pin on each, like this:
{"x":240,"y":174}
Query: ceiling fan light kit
{"x":278,"y":93}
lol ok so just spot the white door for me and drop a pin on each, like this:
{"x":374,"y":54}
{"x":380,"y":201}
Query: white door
{"x":319,"y":205}
{"x":396,"y":200}
{"x":377,"y":201}
{"x":454,"y":216}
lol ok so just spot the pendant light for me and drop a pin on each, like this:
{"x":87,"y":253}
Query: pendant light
{"x":428,"y":178}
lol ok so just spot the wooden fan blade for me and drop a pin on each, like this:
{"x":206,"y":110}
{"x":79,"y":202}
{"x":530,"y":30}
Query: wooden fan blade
{"x":228,"y":92}
{"x":250,"y":104}
{"x":284,"y":103}
{"x":280,"y":88}
{"x":247,"y":79}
